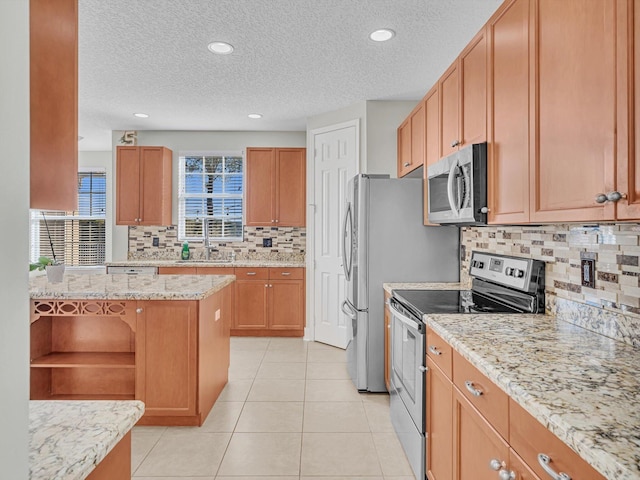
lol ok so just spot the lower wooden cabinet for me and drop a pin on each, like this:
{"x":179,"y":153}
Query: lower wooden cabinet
{"x":439,"y":420}
{"x":269,"y":302}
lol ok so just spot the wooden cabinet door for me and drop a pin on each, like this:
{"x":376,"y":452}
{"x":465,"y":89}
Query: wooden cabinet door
{"x":177,"y":271}
{"x":286,"y":304}
{"x":628,"y":102}
{"x":155,"y":186}
{"x":251,"y":304}
{"x":166,"y":357}
{"x":521,"y":469}
{"x":509,"y":97}
{"x":449,"y":111}
{"x":439,"y":424}
{"x":53,"y":37}
{"x":431,"y":141}
{"x":259,"y":174}
{"x":404,"y":147}
{"x":127,"y":186}
{"x":290,"y":187}
{"x":473,"y":100}
{"x":476,"y":443}
{"x":574,"y":154}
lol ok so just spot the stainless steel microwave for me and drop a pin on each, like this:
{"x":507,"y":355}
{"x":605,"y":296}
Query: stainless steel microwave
{"x":457,"y":187}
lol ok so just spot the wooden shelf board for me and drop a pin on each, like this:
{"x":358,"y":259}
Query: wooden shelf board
{"x":85,"y":360}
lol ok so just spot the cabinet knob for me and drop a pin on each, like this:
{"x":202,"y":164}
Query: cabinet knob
{"x":495,"y":464}
{"x":422,"y":368}
{"x":616,"y":196}
{"x":266,"y":286}
{"x":277,"y":221}
{"x":406,"y":164}
{"x":138,"y":310}
{"x":455,"y":143}
{"x":601,"y":198}
{"x":272,"y":221}
{"x":506,"y":474}
{"x":484,"y":210}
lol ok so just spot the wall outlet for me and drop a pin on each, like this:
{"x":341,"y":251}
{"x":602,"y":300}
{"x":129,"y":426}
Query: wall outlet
{"x":156,"y":241}
{"x":588,"y":272}
{"x":267,"y":242}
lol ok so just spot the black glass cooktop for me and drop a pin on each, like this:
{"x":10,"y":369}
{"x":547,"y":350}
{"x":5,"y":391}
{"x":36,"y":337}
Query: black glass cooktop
{"x":420,"y":302}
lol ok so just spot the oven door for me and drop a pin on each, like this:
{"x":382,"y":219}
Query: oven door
{"x":407,"y":364}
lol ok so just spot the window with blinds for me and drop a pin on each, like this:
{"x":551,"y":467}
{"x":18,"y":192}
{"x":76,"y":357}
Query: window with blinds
{"x":75,"y":238}
{"x":210,"y":196}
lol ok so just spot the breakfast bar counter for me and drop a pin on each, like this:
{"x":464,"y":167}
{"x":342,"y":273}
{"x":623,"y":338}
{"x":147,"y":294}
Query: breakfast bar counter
{"x":73,"y":440}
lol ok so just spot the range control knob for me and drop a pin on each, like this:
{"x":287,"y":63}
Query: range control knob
{"x":480,"y":264}
{"x":508,"y":271}
{"x":518,"y":273}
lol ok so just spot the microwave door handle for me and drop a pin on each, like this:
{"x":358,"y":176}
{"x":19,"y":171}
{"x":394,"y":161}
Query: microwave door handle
{"x":459,"y":199}
{"x":450,"y":187}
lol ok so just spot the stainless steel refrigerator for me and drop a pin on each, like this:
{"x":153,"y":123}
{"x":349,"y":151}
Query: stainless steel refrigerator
{"x":384,"y":240}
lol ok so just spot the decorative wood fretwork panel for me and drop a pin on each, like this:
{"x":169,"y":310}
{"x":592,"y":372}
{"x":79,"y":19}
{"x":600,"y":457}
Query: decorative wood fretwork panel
{"x":108,"y":308}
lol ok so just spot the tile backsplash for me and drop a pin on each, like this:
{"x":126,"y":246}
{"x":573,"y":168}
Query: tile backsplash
{"x":614,"y":247}
{"x":286,"y":243}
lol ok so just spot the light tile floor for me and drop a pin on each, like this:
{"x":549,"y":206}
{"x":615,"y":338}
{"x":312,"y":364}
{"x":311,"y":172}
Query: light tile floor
{"x":288,"y":412}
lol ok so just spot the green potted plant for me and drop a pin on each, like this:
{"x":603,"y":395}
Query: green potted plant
{"x":54,"y":268}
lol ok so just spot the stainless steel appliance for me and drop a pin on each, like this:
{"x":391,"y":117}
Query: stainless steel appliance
{"x":458,"y":187}
{"x":384,"y":240}
{"x":501,"y":284}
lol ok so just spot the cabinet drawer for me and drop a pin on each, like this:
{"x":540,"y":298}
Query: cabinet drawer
{"x":286,"y":273}
{"x":529,"y":438}
{"x":439,"y":351}
{"x":492,"y":402}
{"x":252,"y":273}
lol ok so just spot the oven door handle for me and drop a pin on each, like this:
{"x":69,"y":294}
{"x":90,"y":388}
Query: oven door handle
{"x":453,"y":202}
{"x":409,"y":322}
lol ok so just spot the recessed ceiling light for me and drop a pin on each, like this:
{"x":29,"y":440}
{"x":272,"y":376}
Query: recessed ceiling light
{"x":382,"y":35}
{"x":141,"y":115}
{"x":222,"y":48}
{"x":255,"y":115}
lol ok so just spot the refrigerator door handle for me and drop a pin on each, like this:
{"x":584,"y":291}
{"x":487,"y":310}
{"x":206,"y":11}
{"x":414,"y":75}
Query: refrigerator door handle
{"x":349,"y":311}
{"x":347,"y":258}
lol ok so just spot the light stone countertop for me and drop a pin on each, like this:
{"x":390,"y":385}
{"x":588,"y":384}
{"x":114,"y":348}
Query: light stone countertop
{"x":581,"y":385}
{"x":101,"y":286}
{"x":203,"y":263}
{"x":388,"y":287}
{"x":67,"y":439}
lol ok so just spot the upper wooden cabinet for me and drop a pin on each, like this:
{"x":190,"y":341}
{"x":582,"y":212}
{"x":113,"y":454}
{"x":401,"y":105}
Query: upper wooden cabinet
{"x":143,"y":186}
{"x":509,"y":96}
{"x":431,"y":141}
{"x":449,"y":88}
{"x":53,"y":37}
{"x":411,"y":141}
{"x":276,"y":187}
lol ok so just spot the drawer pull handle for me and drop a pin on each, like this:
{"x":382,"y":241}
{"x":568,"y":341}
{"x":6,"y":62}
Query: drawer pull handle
{"x":286,"y":273}
{"x":544,"y":461}
{"x":473,"y":390}
{"x":434,"y":350}
{"x":251,"y":273}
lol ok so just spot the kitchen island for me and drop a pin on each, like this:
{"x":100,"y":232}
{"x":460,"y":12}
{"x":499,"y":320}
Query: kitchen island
{"x":163,"y":340}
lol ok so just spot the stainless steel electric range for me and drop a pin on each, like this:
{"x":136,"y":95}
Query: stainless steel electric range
{"x":501,"y":284}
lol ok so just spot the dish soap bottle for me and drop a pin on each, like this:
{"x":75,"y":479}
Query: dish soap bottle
{"x":185,"y":251}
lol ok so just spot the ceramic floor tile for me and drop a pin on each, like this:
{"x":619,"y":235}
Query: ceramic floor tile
{"x":285,"y":343}
{"x":236,"y":390}
{"x":185,"y":454}
{"x":274,"y":390}
{"x":294,"y":371}
{"x":284,"y":356}
{"x":390,"y":454}
{"x":279,"y":477}
{"x":343,"y":478}
{"x":327,"y":371}
{"x":173,"y":478}
{"x":223,"y":417}
{"x":339,"y":454}
{"x":249,"y":344}
{"x":271,"y":417}
{"x":378,"y":417}
{"x":246,"y":358}
{"x":240,"y":371}
{"x":330,"y":355}
{"x":331,"y":391}
{"x":334,"y":417}
{"x":141,"y":444}
{"x":262,"y":454}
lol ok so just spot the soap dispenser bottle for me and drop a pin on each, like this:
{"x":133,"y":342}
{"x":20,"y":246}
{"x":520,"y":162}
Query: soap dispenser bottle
{"x":185,"y":251}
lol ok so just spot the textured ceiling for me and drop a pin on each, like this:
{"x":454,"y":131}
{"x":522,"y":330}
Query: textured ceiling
{"x":292,"y":59}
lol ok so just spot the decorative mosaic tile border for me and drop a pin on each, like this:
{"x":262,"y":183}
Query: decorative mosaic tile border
{"x":287,"y":244}
{"x":614,"y":247}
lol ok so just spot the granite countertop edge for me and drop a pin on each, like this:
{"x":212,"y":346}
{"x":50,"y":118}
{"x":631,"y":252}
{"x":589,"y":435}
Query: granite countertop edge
{"x":204,"y":264}
{"x":68,"y":439}
{"x":607,"y":463}
{"x":198,"y":292}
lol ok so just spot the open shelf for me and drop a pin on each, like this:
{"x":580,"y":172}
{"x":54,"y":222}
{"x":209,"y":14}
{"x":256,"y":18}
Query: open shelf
{"x":85,"y":360}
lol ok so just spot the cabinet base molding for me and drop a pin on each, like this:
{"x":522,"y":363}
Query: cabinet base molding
{"x":177,"y":421}
{"x":261,"y":332}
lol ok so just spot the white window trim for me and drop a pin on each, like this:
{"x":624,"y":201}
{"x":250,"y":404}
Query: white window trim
{"x":181,"y":175}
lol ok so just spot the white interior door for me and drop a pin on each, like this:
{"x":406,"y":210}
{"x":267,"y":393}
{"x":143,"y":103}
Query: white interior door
{"x":336,"y":160}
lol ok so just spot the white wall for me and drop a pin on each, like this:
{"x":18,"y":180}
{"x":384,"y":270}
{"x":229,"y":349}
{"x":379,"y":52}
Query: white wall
{"x":14,"y":247}
{"x":102,"y":160}
{"x":196,"y":140}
